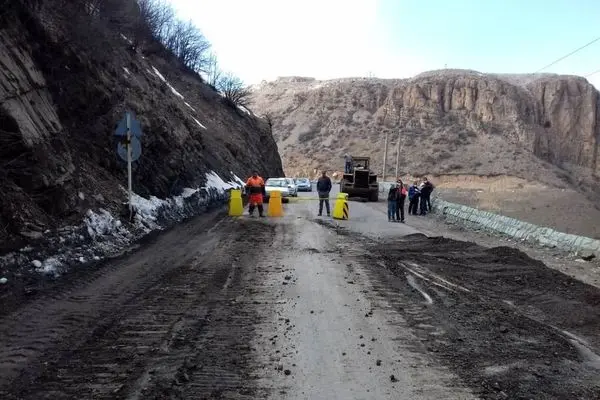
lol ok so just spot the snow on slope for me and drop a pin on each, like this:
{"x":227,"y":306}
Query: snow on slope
{"x":102,"y":234}
{"x":176,"y":93}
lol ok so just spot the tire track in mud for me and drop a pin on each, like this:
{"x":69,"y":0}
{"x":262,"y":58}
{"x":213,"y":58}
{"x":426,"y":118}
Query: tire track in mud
{"x":54,"y":319}
{"x":500,"y":320}
{"x":181,"y":334}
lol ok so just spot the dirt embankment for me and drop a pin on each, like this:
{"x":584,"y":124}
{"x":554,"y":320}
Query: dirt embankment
{"x":509,"y":326}
{"x":67,"y":78}
{"x":557,"y":206}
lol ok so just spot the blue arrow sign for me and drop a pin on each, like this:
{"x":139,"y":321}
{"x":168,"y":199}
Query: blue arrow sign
{"x":121,"y":128}
{"x":136,"y":149}
{"x":135,"y":126}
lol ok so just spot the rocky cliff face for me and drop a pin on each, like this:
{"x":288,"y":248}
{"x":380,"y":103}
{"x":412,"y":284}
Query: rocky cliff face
{"x":60,"y":100}
{"x":543,"y":127}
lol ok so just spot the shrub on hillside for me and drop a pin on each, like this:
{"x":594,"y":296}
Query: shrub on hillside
{"x":233,"y":89}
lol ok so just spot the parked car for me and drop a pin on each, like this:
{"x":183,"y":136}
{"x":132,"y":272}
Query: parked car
{"x":304,"y":185}
{"x":280,"y":185}
{"x":292,"y":187}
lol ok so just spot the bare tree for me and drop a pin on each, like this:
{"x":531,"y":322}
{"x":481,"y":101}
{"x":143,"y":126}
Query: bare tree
{"x":188,"y":44}
{"x":234,"y":90}
{"x":212,"y":71}
{"x":156,"y":19}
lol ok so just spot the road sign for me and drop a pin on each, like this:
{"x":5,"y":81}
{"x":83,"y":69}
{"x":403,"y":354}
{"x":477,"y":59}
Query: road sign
{"x":135,"y":128}
{"x":136,"y":149}
{"x":129,"y":148}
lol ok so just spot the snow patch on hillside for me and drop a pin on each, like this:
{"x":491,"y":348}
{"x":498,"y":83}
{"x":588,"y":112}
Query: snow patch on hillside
{"x":103,"y":234}
{"x":162,"y":78}
{"x":199,"y":124}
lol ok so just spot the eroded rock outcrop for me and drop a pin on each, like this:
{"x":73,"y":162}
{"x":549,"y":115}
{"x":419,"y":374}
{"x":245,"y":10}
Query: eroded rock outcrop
{"x":448,"y":121}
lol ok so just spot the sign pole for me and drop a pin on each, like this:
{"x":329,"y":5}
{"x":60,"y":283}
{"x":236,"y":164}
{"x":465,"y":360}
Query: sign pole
{"x":129,"y":165}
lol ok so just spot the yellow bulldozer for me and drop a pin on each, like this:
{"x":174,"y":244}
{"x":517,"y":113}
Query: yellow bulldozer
{"x":361,"y":181}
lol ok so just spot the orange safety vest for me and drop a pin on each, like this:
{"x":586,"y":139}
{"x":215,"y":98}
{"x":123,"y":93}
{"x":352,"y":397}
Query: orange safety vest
{"x":255,"y":185}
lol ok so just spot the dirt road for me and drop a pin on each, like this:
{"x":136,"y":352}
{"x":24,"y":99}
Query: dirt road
{"x":303,"y":307}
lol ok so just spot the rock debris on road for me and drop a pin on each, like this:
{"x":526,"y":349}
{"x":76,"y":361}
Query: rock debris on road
{"x":303,"y":307}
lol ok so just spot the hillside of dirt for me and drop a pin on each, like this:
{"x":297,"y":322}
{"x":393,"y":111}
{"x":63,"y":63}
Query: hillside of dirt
{"x":68,"y":72}
{"x":540,"y":128}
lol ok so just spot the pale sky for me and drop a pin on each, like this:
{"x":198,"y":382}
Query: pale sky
{"x":263,"y":39}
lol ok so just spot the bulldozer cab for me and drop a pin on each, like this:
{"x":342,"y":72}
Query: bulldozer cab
{"x":360,"y":163}
{"x":360,"y":181}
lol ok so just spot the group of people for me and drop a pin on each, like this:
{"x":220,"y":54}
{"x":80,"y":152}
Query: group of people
{"x":419,"y":196}
{"x":419,"y":199}
{"x":255,"y":188}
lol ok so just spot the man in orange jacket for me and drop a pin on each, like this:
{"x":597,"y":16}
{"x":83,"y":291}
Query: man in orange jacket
{"x":255,"y":187}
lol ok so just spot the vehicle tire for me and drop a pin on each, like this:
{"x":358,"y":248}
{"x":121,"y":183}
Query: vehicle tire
{"x":342,"y":182}
{"x":374,"y":196}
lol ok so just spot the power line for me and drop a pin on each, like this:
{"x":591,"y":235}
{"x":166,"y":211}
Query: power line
{"x":593,"y":73}
{"x":568,"y":55}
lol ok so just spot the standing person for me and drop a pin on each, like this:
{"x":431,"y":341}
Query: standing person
{"x":413,"y":198}
{"x":347,"y":163}
{"x":425,"y":193}
{"x":402,"y":192}
{"x":392,"y":201}
{"x":429,"y":189}
{"x":255,"y":187}
{"x":323,"y":189}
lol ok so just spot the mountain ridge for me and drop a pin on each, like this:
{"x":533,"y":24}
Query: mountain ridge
{"x":545,"y":121}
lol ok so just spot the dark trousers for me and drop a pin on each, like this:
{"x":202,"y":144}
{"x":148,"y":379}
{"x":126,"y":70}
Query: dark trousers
{"x":391,"y":209}
{"x":324,"y":199}
{"x":348,"y":167}
{"x":251,"y":209}
{"x":413,"y":205}
{"x":423,"y":205}
{"x":400,"y":208}
{"x":428,"y":202}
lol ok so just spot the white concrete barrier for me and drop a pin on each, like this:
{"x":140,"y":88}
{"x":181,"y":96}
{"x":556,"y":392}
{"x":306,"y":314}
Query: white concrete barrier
{"x":515,"y":228}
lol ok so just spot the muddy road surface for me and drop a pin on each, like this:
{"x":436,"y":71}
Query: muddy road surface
{"x":302,"y":307}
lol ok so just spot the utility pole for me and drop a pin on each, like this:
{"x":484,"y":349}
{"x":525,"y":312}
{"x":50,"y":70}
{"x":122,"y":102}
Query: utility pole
{"x":397,"y":153}
{"x":385,"y":147}
{"x":401,"y":120}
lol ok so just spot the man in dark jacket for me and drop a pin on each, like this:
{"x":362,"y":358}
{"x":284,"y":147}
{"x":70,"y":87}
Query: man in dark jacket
{"x":428,"y":186}
{"x":414,"y":195}
{"x":426,"y":189}
{"x":323,"y":189}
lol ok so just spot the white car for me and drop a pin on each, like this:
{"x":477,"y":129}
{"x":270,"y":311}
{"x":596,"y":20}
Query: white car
{"x":278,"y":185}
{"x":293,"y":188}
